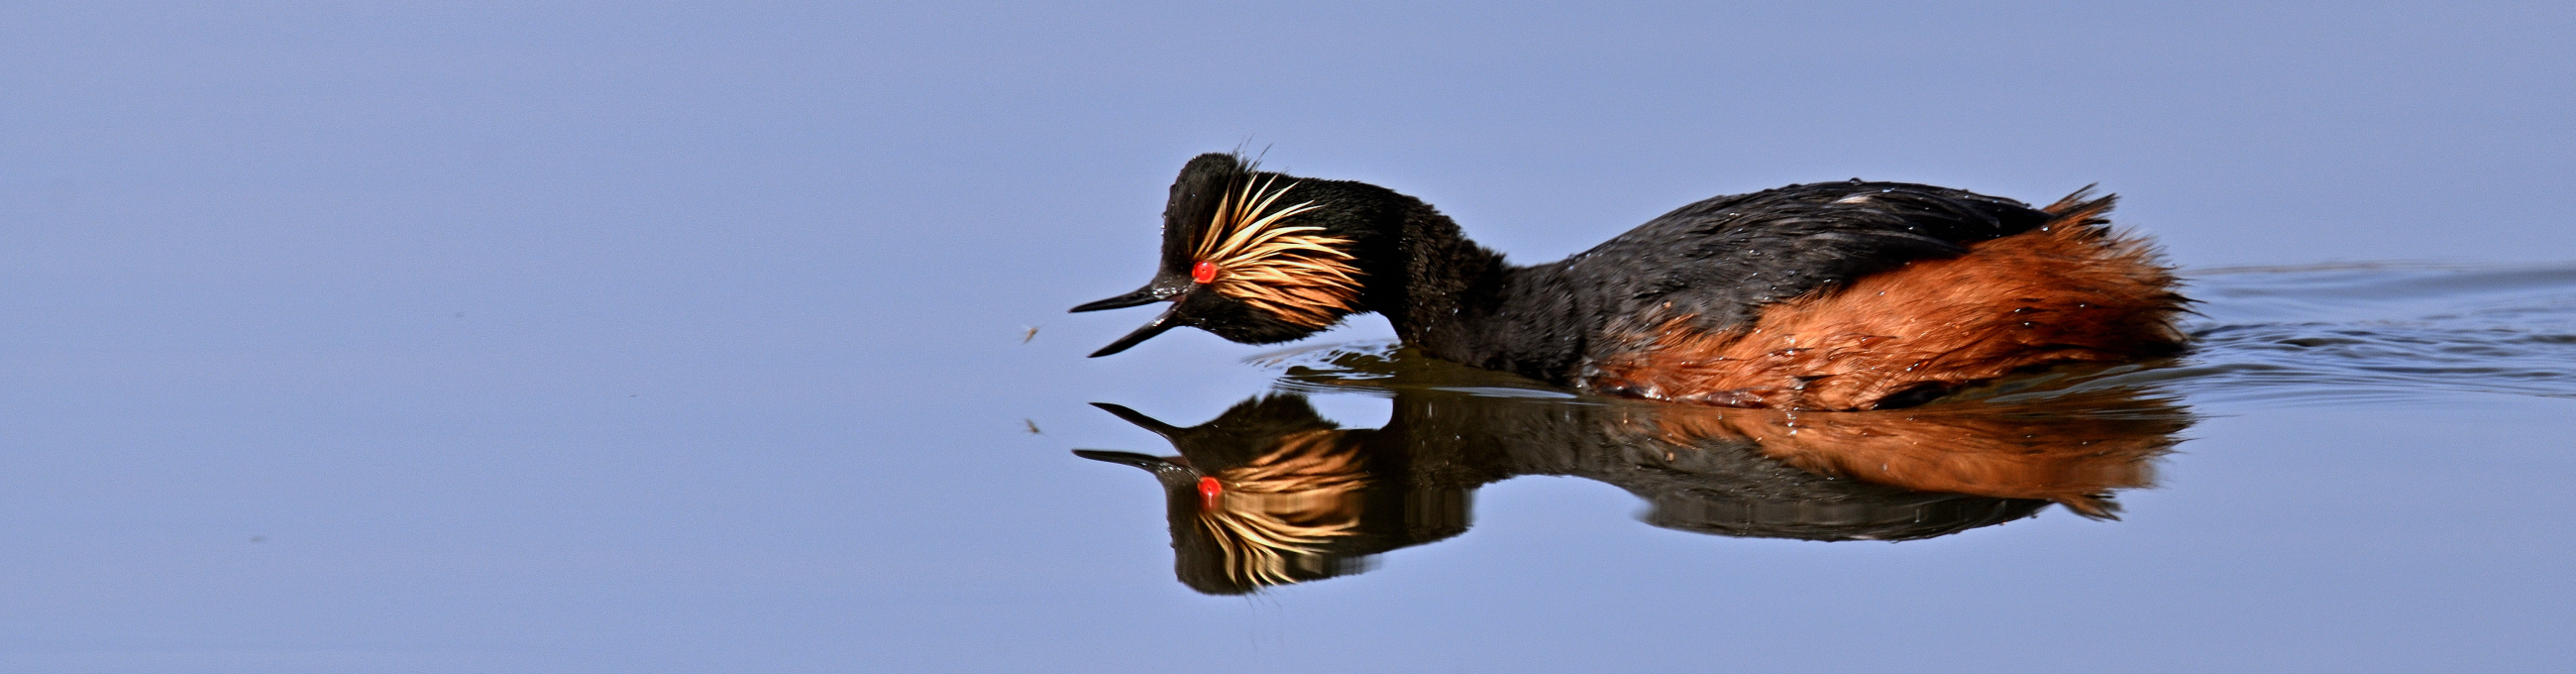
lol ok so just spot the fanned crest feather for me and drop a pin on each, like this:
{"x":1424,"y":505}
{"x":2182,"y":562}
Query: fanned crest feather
{"x":1297,"y":273}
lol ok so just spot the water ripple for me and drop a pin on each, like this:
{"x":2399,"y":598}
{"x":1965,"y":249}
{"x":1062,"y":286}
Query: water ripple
{"x":2265,"y":337}
{"x":2384,"y":332}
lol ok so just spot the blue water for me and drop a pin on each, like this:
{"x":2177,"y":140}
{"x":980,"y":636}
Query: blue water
{"x":1283,"y":496}
{"x":563,"y":337}
{"x":2390,"y":333}
{"x":2341,"y":440}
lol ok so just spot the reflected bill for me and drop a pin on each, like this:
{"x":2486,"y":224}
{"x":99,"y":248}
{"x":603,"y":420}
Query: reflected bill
{"x":1271,"y":493}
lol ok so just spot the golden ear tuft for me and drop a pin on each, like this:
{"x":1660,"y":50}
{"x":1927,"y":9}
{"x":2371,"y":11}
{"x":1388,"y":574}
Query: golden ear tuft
{"x":1297,"y":273}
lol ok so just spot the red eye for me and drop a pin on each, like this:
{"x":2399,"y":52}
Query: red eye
{"x":1203,"y":272}
{"x":1209,"y":489}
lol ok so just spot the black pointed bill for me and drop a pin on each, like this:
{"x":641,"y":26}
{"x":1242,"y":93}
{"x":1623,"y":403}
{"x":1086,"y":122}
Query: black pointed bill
{"x":1140,"y":420}
{"x":1162,"y":288}
{"x":1152,"y":328}
{"x":1142,"y":296}
{"x":1174,"y":476}
{"x":1147,"y":462}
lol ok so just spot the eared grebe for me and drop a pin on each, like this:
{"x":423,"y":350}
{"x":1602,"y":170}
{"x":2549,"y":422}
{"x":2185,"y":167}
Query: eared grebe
{"x":1828,"y":296}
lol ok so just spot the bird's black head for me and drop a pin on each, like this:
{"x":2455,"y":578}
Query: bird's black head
{"x":1253,"y":256}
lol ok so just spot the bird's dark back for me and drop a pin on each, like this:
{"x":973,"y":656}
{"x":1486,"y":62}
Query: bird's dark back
{"x":1717,"y":262}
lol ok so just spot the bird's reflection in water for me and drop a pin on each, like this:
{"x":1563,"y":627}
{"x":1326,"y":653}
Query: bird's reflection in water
{"x":1270,"y":493}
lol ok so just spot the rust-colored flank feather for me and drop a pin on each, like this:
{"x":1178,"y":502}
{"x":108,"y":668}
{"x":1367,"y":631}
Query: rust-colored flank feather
{"x":1297,"y":273}
{"x":2069,"y":292}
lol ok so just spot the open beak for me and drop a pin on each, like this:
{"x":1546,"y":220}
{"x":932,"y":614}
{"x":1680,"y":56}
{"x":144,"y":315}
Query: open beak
{"x":1152,"y":328}
{"x":1163,"y":288}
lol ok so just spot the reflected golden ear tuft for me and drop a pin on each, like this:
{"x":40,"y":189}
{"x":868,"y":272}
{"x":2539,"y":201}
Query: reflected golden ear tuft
{"x":1284,"y":508}
{"x":1297,"y":273}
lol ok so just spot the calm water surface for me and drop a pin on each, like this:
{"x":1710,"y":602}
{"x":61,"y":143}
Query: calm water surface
{"x":563,"y":337}
{"x":2361,"y":468}
{"x":1270,"y":494}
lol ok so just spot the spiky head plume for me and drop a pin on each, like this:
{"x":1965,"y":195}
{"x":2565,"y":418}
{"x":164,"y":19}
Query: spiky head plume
{"x":1250,"y":252}
{"x":1238,"y":232}
{"x":1260,"y":258}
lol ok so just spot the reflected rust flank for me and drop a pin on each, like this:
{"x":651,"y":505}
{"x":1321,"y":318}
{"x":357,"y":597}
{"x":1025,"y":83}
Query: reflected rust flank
{"x":2070,"y":292}
{"x":2075,"y":461}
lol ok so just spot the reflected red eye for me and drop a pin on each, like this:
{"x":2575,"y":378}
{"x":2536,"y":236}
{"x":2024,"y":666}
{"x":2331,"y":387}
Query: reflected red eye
{"x":1209,"y":488}
{"x":1203,"y":272}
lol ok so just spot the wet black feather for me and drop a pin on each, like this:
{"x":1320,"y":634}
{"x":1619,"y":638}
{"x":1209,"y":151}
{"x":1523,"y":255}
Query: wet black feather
{"x":1717,"y":262}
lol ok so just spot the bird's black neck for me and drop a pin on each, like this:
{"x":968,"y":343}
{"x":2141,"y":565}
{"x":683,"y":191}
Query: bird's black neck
{"x":1458,"y":301}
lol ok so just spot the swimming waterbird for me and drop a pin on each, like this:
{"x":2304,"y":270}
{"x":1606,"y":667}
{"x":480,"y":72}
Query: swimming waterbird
{"x":1826,"y":296}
